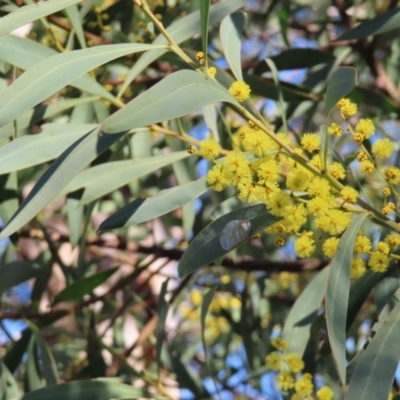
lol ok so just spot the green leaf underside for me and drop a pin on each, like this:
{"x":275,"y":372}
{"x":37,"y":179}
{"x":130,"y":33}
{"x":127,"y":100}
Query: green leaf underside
{"x":16,"y":272}
{"x":303,"y":313}
{"x":176,"y":95}
{"x":24,"y":53}
{"x":54,"y":73}
{"x":86,"y":390}
{"x":142,"y":210}
{"x":30,"y":13}
{"x":42,"y":112}
{"x":296,"y":59}
{"x":205,"y":305}
{"x":206,"y":248}
{"x":162,"y":309}
{"x":337,"y":295}
{"x":375,"y":371}
{"x":382,"y":23}
{"x":230,"y":32}
{"x":76,"y":21}
{"x":180,"y":31}
{"x":31,"y":150}
{"x":81,"y":287}
{"x":105,"y":178}
{"x":58,"y":175}
{"x":340,"y":84}
{"x":204,"y":18}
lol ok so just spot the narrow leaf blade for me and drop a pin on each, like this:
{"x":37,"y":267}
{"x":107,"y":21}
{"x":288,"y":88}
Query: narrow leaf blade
{"x":206,"y":246}
{"x":142,"y":210}
{"x":32,"y":12}
{"x":168,"y":99}
{"x":340,"y":84}
{"x":231,"y":32}
{"x":86,"y":285}
{"x":303,"y":313}
{"x":52,"y":74}
{"x":337,"y":295}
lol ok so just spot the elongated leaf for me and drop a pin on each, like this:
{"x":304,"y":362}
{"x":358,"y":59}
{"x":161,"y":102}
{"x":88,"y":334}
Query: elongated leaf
{"x":49,"y":367}
{"x":13,"y":390}
{"x":281,"y":102}
{"x":359,"y":291}
{"x":374,"y":374}
{"x":30,"y":150}
{"x":162,"y":309}
{"x":231,"y":34}
{"x":9,"y":199}
{"x":205,"y":305}
{"x":386,"y":288}
{"x":206,"y":246}
{"x":16,"y":272}
{"x":340,"y":84}
{"x":297,"y":58}
{"x":104,"y":178}
{"x":86,"y":390}
{"x":180,"y":31}
{"x":75,"y":217}
{"x":83,"y":286}
{"x":204,"y":18}
{"x":266,"y":88}
{"x":30,"y":13}
{"x":42,"y":113}
{"x":61,"y":172}
{"x":24,"y":53}
{"x":52,"y":74}
{"x":337,"y":295}
{"x":76,"y":22}
{"x":32,"y":378}
{"x":171,"y":98}
{"x":303,"y":313}
{"x":382,"y":23}
{"x":141,"y":210}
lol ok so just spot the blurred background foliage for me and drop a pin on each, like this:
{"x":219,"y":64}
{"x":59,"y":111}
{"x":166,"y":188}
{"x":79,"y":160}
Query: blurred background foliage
{"x":78,"y":305}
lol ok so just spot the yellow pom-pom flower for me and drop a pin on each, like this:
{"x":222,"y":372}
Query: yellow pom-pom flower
{"x":366,"y":127}
{"x":297,"y":180}
{"x":349,"y":194}
{"x":217,"y":178}
{"x":304,"y":246}
{"x":294,"y":362}
{"x":310,"y":142}
{"x":325,"y":393}
{"x":273,"y":361}
{"x":208,"y":149}
{"x":304,"y":385}
{"x":285,"y":381}
{"x":347,"y":108}
{"x":337,"y":171}
{"x":366,"y":167}
{"x":335,"y":129}
{"x":362,"y":244}
{"x":212,"y":71}
{"x":240,"y":90}
{"x":383,"y":148}
{"x":378,"y":261}
{"x":357,"y":268}
{"x":392,"y":175}
{"x":330,"y":246}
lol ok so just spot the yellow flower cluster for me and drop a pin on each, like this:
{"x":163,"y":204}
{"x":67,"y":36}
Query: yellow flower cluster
{"x":289,"y":366}
{"x":215,"y":322}
{"x":304,"y":188}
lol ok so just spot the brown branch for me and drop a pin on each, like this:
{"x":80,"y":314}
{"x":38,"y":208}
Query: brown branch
{"x":240,"y":263}
{"x":367,"y":52}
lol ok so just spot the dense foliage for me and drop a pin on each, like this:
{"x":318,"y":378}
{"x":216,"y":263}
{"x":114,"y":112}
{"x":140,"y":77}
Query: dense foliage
{"x":199,"y":200}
